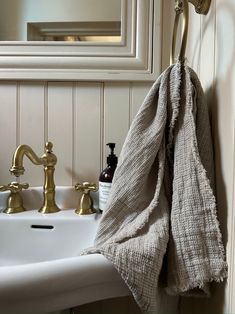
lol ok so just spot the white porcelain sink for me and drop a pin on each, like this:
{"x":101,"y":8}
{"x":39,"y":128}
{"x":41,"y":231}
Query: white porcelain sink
{"x":40,"y":267}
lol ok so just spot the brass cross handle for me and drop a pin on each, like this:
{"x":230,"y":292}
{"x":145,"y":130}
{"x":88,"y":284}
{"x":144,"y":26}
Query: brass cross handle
{"x":86,"y":203}
{"x":14,"y":201}
{"x":14,"y":187}
{"x":86,"y":187}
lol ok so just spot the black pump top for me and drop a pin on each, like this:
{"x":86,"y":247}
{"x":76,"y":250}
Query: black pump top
{"x":112,"y":158}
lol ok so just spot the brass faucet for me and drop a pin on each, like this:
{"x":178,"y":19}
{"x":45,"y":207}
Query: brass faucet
{"x":14,"y":200}
{"x":86,"y":203}
{"x":48,"y":160}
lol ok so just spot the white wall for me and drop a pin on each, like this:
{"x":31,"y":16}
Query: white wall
{"x":211,"y":49}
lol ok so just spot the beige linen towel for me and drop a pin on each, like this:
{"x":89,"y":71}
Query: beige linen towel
{"x":162,"y":201}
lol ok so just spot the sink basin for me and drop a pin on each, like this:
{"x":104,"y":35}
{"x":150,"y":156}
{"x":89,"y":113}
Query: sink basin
{"x":31,"y":237}
{"x":40,"y":267}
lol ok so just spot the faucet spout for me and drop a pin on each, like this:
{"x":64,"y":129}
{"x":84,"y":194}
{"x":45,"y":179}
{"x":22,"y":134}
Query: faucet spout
{"x":17,"y":168}
{"x":48,"y":160}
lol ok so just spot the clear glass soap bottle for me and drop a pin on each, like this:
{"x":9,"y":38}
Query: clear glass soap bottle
{"x":106,"y":177}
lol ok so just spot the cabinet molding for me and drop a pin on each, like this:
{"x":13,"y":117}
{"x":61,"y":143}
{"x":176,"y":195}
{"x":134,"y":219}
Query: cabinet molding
{"x":136,"y":57}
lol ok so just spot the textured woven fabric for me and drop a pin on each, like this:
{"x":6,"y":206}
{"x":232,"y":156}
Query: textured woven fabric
{"x":162,"y":203}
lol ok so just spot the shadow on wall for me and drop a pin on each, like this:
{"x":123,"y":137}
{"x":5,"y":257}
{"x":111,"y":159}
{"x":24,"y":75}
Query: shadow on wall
{"x":219,"y":98}
{"x":217,"y":301}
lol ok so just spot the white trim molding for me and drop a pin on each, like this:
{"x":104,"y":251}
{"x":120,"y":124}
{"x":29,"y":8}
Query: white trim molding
{"x":136,"y":57}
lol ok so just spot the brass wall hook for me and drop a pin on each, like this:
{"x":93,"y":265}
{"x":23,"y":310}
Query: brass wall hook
{"x":201,"y":6}
{"x":181,"y":6}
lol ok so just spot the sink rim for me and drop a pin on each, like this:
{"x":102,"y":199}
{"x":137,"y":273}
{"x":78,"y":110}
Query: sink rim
{"x":83,"y":279}
{"x":65,"y":213}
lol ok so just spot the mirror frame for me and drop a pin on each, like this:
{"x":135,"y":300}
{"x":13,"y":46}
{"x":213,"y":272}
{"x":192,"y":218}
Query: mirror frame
{"x":136,"y":57}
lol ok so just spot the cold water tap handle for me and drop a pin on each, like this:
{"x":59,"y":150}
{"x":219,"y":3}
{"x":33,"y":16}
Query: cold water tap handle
{"x":86,"y":203}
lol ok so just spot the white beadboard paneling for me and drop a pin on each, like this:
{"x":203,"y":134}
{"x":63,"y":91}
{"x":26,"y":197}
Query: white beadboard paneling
{"x":80,"y":118}
{"x":62,"y":112}
{"x":209,"y":78}
{"x":225,"y":82}
{"x":138,"y":91}
{"x":8,"y":128}
{"x":217,"y":77}
{"x":116,"y":115}
{"x":31,"y":127}
{"x":60,"y":128}
{"x":87,"y":131}
{"x":193,"y":51}
{"x":207,"y":60}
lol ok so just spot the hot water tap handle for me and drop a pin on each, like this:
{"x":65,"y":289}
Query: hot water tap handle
{"x":14,"y":200}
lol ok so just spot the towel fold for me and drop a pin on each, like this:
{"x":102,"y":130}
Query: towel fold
{"x":162,"y":202}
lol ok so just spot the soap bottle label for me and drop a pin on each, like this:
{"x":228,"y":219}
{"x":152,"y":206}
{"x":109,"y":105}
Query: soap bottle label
{"x":104,"y":190}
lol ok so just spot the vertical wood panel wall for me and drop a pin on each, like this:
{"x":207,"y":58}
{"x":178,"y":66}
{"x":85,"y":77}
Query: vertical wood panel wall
{"x":211,"y":53}
{"x":78,"y":117}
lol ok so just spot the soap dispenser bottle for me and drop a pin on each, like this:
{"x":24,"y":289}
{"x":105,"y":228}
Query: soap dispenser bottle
{"x":106,"y":177}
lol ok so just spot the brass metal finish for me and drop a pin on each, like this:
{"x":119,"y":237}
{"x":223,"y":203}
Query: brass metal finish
{"x":201,"y":6}
{"x":14,"y":201}
{"x":48,"y":160}
{"x":181,"y":6}
{"x":17,"y":161}
{"x":86,"y":202}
